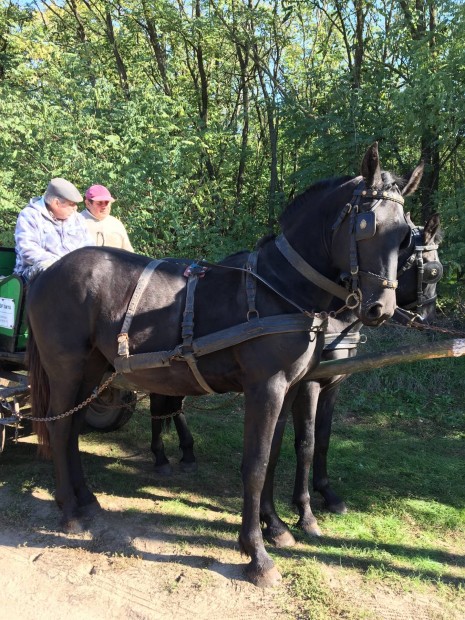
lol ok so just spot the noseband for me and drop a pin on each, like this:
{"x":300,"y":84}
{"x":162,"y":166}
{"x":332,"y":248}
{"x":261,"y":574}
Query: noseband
{"x":362,"y":225}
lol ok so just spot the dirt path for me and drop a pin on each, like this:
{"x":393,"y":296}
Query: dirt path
{"x":121,"y":570}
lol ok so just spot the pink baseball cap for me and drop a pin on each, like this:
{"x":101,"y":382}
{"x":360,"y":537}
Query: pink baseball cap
{"x":99,"y":192}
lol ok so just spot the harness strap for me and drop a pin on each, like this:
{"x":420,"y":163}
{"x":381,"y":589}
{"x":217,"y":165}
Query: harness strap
{"x":225,"y":338}
{"x":353,"y":254}
{"x":251,"y":284}
{"x":123,"y":339}
{"x":379,"y":195}
{"x":187,"y":333}
{"x":307,"y":270}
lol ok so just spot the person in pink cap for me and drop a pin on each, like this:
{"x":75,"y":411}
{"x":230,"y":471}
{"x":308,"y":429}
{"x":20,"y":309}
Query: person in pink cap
{"x":103,"y":227}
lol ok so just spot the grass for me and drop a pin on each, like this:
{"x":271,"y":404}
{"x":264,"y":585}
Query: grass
{"x":397,"y":457}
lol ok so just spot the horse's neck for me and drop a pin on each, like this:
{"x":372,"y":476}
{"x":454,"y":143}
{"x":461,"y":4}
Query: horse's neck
{"x":277,"y":270}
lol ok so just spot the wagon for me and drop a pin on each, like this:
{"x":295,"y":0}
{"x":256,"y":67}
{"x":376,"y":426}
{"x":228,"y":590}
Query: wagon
{"x":109,"y":411}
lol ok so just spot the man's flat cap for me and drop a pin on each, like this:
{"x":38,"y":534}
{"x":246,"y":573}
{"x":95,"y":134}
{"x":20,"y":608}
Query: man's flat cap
{"x":61,"y":188}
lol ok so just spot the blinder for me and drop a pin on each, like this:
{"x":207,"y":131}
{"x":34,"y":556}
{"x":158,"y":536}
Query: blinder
{"x":365,"y":225}
{"x":429,"y":272}
{"x":432,"y":272}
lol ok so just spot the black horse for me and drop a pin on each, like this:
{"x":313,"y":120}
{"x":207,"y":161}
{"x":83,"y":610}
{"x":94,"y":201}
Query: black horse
{"x":313,"y":405}
{"x":78,"y":307}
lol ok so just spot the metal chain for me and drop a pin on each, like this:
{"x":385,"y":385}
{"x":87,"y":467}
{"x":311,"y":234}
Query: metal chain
{"x":92,"y":397}
{"x":433,"y":328}
{"x":166,"y":416}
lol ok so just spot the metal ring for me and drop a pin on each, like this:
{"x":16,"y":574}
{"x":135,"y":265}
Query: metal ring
{"x":356,"y":297}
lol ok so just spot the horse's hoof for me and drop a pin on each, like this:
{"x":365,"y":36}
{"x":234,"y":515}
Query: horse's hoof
{"x":337,"y":509}
{"x":281,"y":541}
{"x":91,"y":509}
{"x":72,"y":526}
{"x":267,"y":579}
{"x":163,"y":470}
{"x":311,"y":529}
{"x":188,"y":468}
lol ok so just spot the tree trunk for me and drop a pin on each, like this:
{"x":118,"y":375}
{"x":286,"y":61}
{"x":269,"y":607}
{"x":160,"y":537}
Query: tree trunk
{"x":120,"y":66}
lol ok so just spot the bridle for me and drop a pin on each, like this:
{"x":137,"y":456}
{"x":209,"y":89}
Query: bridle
{"x":362,"y":225}
{"x":429,"y":272}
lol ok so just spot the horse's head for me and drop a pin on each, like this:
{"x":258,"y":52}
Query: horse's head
{"x":420,"y":269}
{"x":373,"y":229}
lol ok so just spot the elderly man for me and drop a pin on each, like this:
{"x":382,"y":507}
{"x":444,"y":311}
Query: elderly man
{"x":103,"y":227}
{"x":48,"y":228}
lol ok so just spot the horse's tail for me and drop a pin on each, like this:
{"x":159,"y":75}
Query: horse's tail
{"x":40,"y":395}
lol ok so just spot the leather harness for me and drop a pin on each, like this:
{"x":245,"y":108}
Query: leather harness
{"x":362,"y":226}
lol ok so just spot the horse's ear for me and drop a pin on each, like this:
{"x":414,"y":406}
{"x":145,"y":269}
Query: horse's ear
{"x":371,"y":170}
{"x":414,"y":180}
{"x":431,"y":227}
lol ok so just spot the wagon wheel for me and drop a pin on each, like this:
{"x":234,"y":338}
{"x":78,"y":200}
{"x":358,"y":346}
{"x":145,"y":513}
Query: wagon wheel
{"x":111,"y":410}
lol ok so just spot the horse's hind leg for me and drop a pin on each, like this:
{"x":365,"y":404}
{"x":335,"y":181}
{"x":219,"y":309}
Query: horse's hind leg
{"x":303,"y":412}
{"x":63,"y":442}
{"x":86,"y":500}
{"x":161,"y":406}
{"x":96,"y":366}
{"x":186,"y":443}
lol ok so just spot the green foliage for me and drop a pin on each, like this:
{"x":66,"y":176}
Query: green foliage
{"x":204,"y":124}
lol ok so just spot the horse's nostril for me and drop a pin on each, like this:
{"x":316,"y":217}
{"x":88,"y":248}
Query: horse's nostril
{"x":374,"y":311}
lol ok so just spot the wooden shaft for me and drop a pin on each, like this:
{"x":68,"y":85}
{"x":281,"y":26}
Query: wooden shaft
{"x":370,"y":361}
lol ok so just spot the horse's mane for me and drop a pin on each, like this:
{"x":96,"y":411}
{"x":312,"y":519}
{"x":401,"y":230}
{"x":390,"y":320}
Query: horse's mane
{"x":306,"y":196}
{"x":389,"y":180}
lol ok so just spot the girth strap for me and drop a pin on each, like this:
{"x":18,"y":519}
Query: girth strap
{"x":123,"y":339}
{"x":187,"y":333}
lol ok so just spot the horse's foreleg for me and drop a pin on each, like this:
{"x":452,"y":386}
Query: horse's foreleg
{"x":303,"y":413}
{"x":324,"y":417}
{"x":262,"y":407}
{"x":276,"y":531}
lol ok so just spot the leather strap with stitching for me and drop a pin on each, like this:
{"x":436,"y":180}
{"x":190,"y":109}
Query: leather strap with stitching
{"x":307,"y":270}
{"x":123,"y":338}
